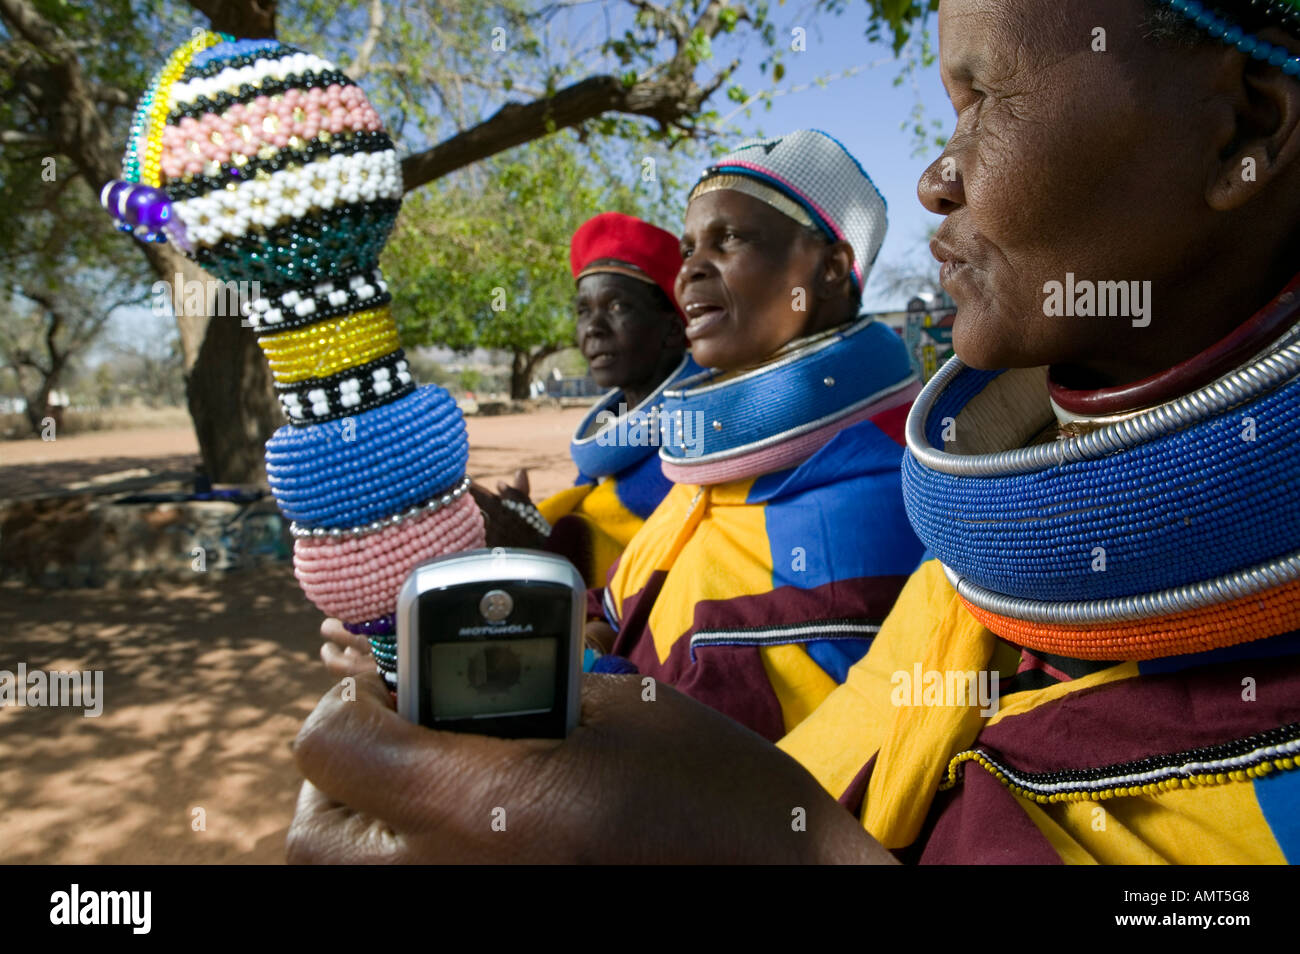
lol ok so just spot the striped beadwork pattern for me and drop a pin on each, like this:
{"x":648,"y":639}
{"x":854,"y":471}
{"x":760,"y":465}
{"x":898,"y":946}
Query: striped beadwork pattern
{"x":1237,"y":761}
{"x":280,"y":171}
{"x":1166,"y":513}
{"x":1175,"y":532}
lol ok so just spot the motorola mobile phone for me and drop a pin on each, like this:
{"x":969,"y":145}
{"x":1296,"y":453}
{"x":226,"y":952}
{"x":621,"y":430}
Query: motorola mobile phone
{"x":490,"y":642}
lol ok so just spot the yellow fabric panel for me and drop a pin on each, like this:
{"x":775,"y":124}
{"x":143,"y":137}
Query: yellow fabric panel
{"x":651,"y":546}
{"x":1202,"y":824}
{"x":606,"y":511}
{"x":610,"y":525}
{"x":605,"y":550}
{"x":799,"y":683}
{"x":1070,"y":851}
{"x":921,"y":740}
{"x":564,"y":503}
{"x":1021,"y":702}
{"x":834,"y":742}
{"x":714,"y":547}
{"x":727,"y":556}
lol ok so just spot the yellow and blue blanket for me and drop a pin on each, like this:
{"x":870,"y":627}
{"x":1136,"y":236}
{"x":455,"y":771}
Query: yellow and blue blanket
{"x":1185,"y":759}
{"x":756,"y":596}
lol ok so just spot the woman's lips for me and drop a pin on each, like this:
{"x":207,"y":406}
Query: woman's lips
{"x":704,"y":321}
{"x":952,"y":270}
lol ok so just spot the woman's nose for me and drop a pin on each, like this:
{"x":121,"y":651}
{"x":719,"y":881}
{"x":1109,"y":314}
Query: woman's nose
{"x":940,"y":188}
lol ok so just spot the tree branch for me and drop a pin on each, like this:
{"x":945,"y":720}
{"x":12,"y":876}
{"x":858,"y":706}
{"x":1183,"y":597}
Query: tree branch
{"x":671,"y":23}
{"x":112,"y":96}
{"x":669,"y":95}
{"x":28,"y":23}
{"x":361,"y":65}
{"x":76,"y":128}
{"x":244,"y":19}
{"x":15,"y":137}
{"x":514,"y":124}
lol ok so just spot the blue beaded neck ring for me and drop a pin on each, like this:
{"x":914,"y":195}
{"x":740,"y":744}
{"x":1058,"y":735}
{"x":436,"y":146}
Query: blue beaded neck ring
{"x":1224,"y":29}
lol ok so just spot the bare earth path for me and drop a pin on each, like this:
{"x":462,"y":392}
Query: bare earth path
{"x":204,"y":684}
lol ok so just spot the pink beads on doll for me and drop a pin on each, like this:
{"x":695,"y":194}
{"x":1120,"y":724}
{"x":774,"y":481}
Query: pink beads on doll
{"x":358,"y":578}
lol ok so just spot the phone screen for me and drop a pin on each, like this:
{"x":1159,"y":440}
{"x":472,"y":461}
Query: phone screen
{"x":489,"y":678}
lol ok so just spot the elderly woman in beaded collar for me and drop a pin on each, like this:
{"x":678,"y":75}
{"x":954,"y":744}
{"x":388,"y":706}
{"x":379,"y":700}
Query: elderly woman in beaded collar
{"x":1097,"y":142}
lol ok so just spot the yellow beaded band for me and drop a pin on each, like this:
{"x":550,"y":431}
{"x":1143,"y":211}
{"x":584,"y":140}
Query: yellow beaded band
{"x":151,"y":164}
{"x":1103,"y":790}
{"x":329,"y":347}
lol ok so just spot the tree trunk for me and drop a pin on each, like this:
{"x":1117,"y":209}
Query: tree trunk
{"x":518,"y":375}
{"x":522,"y":365}
{"x":233,"y":403}
{"x":36,"y":407}
{"x":228,"y":386}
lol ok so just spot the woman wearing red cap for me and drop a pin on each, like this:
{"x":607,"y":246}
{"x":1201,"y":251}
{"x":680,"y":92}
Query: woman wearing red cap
{"x":766,"y":572}
{"x":631,"y":334}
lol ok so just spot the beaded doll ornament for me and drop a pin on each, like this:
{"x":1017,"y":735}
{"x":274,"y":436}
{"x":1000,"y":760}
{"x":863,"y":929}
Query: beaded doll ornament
{"x":267,"y":165}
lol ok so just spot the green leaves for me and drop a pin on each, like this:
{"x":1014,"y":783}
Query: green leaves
{"x":498,"y":234}
{"x":699,"y":47}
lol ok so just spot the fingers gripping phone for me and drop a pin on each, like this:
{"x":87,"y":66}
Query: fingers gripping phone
{"x":490,"y":642}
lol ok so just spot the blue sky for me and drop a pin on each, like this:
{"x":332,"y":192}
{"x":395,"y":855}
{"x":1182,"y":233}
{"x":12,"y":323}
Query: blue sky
{"x":865,"y":112}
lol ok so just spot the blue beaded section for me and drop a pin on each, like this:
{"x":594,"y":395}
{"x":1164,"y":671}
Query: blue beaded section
{"x":1183,"y":508}
{"x":229,"y":51}
{"x":1233,"y":35}
{"x":378,"y":463}
{"x":786,"y":398}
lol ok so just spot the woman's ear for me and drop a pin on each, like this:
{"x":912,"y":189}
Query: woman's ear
{"x":836,"y":270}
{"x":1264,"y":138}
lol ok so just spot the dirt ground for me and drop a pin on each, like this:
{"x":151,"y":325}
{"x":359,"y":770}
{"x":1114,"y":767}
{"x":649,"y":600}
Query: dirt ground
{"x":204,"y":686}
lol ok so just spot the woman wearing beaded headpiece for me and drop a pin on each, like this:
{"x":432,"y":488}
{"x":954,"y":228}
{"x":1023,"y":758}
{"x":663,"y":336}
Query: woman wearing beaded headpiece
{"x":1116,"y":537}
{"x":738,"y":590}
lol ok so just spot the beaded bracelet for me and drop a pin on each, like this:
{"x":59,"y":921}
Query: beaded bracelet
{"x":359,"y":578}
{"x":1223,"y":29}
{"x":529,"y":514}
{"x":328,"y":347}
{"x":353,"y":391}
{"x":299,"y":307}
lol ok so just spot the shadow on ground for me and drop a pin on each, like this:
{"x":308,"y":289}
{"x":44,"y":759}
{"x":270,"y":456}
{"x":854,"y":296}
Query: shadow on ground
{"x":204,"y":687}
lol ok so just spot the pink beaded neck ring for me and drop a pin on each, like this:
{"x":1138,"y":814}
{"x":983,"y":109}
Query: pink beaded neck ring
{"x":269,"y":167}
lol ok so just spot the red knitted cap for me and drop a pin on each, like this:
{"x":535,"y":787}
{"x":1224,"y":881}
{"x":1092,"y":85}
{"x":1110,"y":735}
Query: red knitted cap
{"x":653,"y":254}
